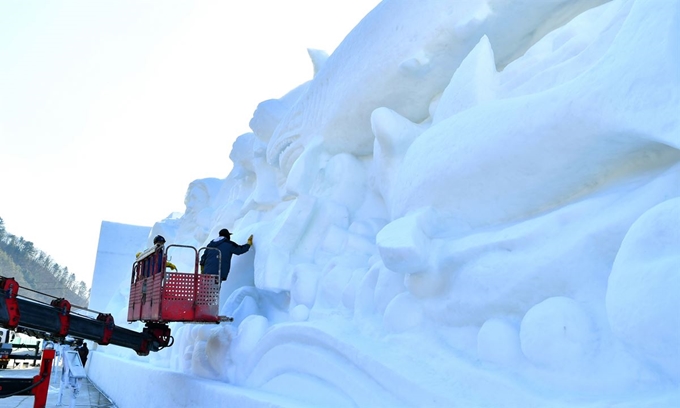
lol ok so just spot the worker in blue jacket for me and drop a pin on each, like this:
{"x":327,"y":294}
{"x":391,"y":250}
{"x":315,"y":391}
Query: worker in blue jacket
{"x":210,"y":261}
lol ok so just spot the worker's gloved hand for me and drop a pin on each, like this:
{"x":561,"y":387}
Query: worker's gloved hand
{"x":250,"y":240}
{"x":202,"y":266}
{"x":171,"y":266}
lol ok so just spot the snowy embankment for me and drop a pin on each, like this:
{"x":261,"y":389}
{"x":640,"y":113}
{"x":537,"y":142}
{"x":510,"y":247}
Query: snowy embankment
{"x":472,"y":203}
{"x":136,"y":384}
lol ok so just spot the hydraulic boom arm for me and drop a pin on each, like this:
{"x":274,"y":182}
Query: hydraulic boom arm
{"x":55,"y":321}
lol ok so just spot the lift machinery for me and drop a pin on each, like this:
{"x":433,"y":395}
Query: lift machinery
{"x":157,"y":297}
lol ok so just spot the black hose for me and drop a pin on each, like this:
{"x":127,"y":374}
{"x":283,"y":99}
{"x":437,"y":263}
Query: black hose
{"x":21,"y":392}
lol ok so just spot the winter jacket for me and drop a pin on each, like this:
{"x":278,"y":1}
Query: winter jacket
{"x":83,"y":351}
{"x":210,"y":260}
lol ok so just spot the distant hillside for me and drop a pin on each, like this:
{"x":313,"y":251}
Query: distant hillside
{"x":34,"y":269}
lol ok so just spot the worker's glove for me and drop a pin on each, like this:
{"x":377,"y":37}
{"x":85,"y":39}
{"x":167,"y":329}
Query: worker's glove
{"x":202,"y":266}
{"x":250,"y":240}
{"x":171,"y":266}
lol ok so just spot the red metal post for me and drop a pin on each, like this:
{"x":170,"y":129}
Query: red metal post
{"x":43,"y":379}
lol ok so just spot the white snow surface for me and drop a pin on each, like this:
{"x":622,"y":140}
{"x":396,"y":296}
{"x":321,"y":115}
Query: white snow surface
{"x":472,"y":203}
{"x":118,"y":244}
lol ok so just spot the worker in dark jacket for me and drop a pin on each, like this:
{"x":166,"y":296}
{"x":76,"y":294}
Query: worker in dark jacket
{"x":210,"y":261}
{"x":83,"y":351}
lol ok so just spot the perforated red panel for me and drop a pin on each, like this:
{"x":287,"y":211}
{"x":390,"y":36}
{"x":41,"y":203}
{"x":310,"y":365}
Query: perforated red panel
{"x":208,"y":290}
{"x":179,"y":286}
{"x":190,"y":297}
{"x":207,"y":298}
{"x":178,"y":297}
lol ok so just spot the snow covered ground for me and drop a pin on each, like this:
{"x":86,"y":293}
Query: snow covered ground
{"x":470,"y":204}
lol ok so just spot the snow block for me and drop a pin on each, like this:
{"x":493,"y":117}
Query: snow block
{"x":402,"y":246}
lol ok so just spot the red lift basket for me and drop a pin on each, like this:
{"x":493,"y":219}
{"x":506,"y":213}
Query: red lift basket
{"x":159,"y":296}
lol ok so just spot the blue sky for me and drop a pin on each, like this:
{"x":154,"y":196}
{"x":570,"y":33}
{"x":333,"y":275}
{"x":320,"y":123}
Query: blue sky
{"x":109,"y":109}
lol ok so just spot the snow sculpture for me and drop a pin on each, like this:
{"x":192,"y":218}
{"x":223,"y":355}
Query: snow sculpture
{"x":457,"y":181}
{"x":643,"y":286}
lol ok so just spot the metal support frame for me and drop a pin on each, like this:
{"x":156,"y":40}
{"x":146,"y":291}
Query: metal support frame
{"x":72,"y":374}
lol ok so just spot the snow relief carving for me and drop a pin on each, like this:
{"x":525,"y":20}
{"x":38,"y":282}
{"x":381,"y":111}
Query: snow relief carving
{"x":476,"y":181}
